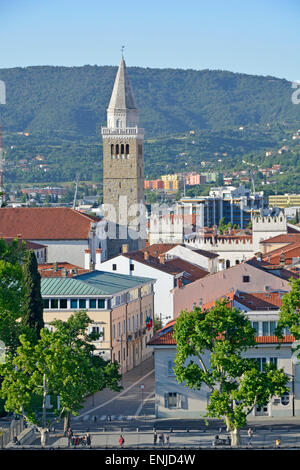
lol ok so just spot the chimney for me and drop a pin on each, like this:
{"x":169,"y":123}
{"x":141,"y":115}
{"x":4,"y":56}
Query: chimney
{"x":98,"y":258}
{"x":162,"y":258}
{"x":282,"y":259}
{"x":125,"y":248}
{"x":87,"y":259}
{"x":64,"y":272}
{"x":146,"y":255}
{"x":180,"y":282}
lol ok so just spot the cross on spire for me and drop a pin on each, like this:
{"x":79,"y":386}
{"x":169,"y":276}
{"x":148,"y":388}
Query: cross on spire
{"x":122,"y":51}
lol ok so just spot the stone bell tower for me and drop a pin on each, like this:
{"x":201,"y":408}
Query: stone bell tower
{"x":123,"y":166}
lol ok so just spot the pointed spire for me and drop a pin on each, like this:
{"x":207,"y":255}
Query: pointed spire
{"x":122,"y":95}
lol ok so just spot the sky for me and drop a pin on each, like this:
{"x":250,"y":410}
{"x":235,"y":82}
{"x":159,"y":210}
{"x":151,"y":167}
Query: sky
{"x":254,"y":37}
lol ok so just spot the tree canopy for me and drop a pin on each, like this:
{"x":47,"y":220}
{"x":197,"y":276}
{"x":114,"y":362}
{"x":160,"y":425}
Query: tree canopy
{"x":211,"y":351}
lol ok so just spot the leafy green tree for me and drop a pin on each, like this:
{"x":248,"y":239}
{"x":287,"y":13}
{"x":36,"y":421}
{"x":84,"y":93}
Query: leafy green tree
{"x":11,"y":292}
{"x":32,"y":307}
{"x":211,"y":349}
{"x":61,"y":363}
{"x":289,"y":315}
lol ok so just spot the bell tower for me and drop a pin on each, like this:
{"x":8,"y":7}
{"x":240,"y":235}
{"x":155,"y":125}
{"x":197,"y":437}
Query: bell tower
{"x":123,"y":165}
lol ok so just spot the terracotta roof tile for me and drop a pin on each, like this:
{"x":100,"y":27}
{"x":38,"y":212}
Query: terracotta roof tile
{"x":45,"y":223}
{"x":56,"y":269}
{"x":164,"y":337}
{"x":173,"y":266}
{"x":283,"y":238}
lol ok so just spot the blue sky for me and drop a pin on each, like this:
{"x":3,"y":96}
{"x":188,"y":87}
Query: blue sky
{"x":254,"y":37}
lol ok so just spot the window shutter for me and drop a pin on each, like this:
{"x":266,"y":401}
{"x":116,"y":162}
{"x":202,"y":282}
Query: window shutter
{"x":90,"y":329}
{"x":166,"y":400}
{"x":179,"y":400}
{"x":101,"y":331}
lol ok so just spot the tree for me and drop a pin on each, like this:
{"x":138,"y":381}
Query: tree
{"x":11,"y":292}
{"x":32,"y":302}
{"x":61,"y":363}
{"x":211,"y":349}
{"x":289,"y":315}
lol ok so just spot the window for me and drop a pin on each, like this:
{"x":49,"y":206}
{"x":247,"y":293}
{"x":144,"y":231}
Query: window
{"x":101,"y":303}
{"x":170,"y":367}
{"x":114,"y":331}
{"x":63,"y":303}
{"x":132,"y":267}
{"x":273,"y":360}
{"x":119,"y":330}
{"x":54,"y":303}
{"x":46,"y":303}
{"x":285,"y":399}
{"x":93,"y":303}
{"x":82,"y":303}
{"x":265,"y":325}
{"x":246,"y":278}
{"x":172,"y":400}
{"x":255,"y":325}
{"x":119,"y":358}
{"x":74,"y":303}
{"x":114,"y":267}
{"x":272,"y":328}
{"x":268,"y":328}
{"x":260,"y":361}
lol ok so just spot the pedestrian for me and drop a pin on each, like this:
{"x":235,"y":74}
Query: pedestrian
{"x":69,"y":435}
{"x":154,"y":437}
{"x":88,"y":439}
{"x":278,"y":443}
{"x":161,"y":439}
{"x":167,"y":440}
{"x":250,"y":435}
{"x":121,"y":441}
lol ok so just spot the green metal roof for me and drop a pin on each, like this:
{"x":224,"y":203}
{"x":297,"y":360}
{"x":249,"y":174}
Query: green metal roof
{"x":93,"y":283}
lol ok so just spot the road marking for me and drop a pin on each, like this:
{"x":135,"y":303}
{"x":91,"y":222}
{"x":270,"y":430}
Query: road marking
{"x":118,"y":396}
{"x":151,"y":394}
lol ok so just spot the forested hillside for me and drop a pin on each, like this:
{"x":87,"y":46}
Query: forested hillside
{"x":63,"y":108}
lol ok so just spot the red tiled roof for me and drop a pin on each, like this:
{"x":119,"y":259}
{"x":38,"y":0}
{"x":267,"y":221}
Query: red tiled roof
{"x":29,"y":245}
{"x":160,"y":248}
{"x":44,"y":223}
{"x":48,"y":269}
{"x":173,"y":266}
{"x":164,"y":337}
{"x":283,"y":238}
{"x":289,"y":251}
{"x":260,"y":300}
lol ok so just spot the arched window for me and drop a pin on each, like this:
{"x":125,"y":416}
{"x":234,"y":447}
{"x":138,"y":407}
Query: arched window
{"x":112,"y":150}
{"x":227,"y":264}
{"x":127,"y":150}
{"x":122,"y":149}
{"x":237,"y":261}
{"x":117,"y":150}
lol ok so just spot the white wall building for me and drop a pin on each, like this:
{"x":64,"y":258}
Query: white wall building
{"x":67,"y":233}
{"x":174,"y":400}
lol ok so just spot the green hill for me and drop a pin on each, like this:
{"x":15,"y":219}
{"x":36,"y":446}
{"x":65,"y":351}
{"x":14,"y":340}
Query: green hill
{"x":63,"y":109}
{"x":65,"y":99}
